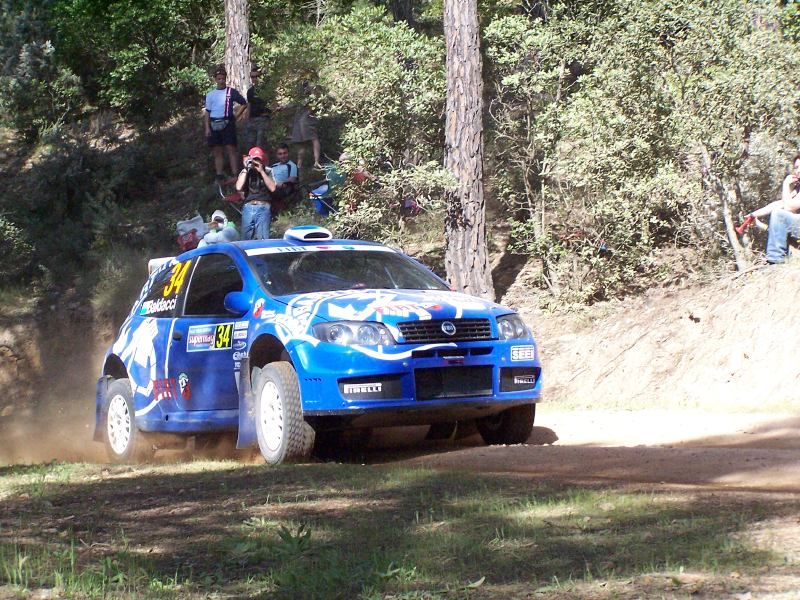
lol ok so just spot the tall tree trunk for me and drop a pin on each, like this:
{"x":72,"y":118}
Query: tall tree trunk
{"x":237,"y":44}
{"x":466,"y":255}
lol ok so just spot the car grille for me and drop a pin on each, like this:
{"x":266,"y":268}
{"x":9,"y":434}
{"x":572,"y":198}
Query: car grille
{"x":423,"y":332}
{"x":453,"y":382}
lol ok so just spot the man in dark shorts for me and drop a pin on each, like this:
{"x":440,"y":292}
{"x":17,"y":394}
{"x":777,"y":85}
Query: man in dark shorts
{"x":258,"y":114}
{"x":220,"y":123}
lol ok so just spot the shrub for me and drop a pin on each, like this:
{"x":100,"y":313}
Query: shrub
{"x":16,"y":250}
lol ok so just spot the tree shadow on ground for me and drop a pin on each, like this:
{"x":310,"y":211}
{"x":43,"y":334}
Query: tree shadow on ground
{"x":505,"y":272}
{"x":238,"y":530}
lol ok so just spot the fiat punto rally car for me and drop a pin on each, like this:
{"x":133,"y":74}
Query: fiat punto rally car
{"x":281,"y":340}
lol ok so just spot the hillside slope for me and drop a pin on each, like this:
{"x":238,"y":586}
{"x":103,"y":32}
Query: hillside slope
{"x":732,"y":345}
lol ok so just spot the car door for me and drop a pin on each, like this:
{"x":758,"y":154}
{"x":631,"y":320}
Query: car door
{"x":204,"y":345}
{"x":146,"y":338}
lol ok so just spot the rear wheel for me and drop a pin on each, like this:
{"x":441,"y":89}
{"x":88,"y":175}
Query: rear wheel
{"x":512,"y":426}
{"x":124,"y":442}
{"x":282,"y":433}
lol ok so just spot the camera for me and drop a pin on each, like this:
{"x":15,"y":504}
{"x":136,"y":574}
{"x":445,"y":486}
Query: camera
{"x":252,"y":163}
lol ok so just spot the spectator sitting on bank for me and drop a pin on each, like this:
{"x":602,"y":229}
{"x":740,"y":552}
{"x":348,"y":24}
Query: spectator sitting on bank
{"x":220,"y":122}
{"x":284,"y":172}
{"x":258,"y":186}
{"x":790,"y":193}
{"x":258,"y":114}
{"x":220,"y":230}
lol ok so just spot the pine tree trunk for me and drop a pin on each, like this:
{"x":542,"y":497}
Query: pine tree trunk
{"x":237,"y":44}
{"x":466,"y":255}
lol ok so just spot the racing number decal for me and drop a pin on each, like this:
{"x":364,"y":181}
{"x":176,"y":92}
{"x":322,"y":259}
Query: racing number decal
{"x":222,"y":336}
{"x":176,"y":281}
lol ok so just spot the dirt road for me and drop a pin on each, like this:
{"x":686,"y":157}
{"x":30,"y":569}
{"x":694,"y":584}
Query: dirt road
{"x":726,"y":451}
{"x":712,"y":450}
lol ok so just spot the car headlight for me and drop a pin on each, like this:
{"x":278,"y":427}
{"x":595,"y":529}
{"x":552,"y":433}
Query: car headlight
{"x":354,"y":333}
{"x":511,"y":327}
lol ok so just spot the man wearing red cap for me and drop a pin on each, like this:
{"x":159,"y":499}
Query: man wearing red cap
{"x":257,"y":184}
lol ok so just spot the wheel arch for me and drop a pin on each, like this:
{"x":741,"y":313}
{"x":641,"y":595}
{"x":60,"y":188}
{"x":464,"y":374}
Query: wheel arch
{"x":115,"y":368}
{"x":265,"y":349}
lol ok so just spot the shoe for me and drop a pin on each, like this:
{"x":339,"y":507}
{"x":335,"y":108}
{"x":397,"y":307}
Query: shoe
{"x":748,"y":220}
{"x":761,"y":225}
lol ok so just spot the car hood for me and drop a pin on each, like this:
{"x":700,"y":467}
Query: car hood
{"x":393,"y":306}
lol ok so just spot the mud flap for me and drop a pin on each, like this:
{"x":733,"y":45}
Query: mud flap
{"x":99,"y":406}
{"x":247,"y":407}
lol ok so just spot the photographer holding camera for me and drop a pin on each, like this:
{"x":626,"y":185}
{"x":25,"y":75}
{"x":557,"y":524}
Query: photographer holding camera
{"x":257,"y":184}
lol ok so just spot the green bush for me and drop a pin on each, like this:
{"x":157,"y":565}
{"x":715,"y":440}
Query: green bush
{"x":36,"y":90}
{"x":16,"y":250}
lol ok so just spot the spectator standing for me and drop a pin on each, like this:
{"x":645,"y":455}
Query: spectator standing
{"x":304,"y":129}
{"x":257,"y":185}
{"x":285,"y":173}
{"x":255,"y":130}
{"x":220,"y":122}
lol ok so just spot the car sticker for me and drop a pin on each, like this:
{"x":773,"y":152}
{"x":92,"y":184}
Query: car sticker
{"x":183,"y":384}
{"x":258,"y":307}
{"x":202,"y":338}
{"x":175,"y":283}
{"x":519,"y":353}
{"x":165,"y":389}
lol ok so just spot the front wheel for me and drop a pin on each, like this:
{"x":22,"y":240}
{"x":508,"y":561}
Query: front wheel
{"x":124,"y":442}
{"x":512,"y":426}
{"x":282,"y":433}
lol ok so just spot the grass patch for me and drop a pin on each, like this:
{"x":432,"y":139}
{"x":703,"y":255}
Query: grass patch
{"x":339,"y":531}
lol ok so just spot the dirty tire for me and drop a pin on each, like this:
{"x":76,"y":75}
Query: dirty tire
{"x":512,"y":426}
{"x":282,"y":432}
{"x":124,"y":442}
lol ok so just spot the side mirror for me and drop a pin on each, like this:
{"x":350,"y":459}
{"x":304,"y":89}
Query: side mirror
{"x":237,"y":303}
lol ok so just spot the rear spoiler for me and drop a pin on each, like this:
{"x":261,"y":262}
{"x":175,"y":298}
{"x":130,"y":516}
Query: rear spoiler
{"x":154,"y":263}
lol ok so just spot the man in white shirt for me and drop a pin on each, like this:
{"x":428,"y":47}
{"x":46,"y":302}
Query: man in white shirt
{"x":285,"y":173}
{"x":220,"y":122}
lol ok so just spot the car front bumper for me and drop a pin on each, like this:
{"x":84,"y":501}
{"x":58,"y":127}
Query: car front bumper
{"x":471,"y":378}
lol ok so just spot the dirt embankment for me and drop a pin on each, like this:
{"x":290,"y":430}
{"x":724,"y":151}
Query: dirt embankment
{"x":732,"y":345}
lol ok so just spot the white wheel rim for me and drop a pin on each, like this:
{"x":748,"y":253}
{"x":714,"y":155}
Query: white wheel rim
{"x":119,"y":424}
{"x":271,"y":416}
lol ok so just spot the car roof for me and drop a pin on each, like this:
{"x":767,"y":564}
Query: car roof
{"x":300,"y":236}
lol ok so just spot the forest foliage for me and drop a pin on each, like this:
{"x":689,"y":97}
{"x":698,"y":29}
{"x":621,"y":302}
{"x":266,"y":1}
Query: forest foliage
{"x":616,"y":131}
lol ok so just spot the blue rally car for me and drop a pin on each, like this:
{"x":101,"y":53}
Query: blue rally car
{"x":283,"y":340}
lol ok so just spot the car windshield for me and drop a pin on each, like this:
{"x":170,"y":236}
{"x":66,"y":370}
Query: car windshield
{"x":302,"y":272}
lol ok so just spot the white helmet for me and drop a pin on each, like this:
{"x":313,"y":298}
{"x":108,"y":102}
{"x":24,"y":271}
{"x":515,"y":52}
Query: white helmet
{"x":219,"y":216}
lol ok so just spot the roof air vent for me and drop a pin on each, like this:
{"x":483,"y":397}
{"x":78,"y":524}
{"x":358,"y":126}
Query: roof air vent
{"x":308,"y":233}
